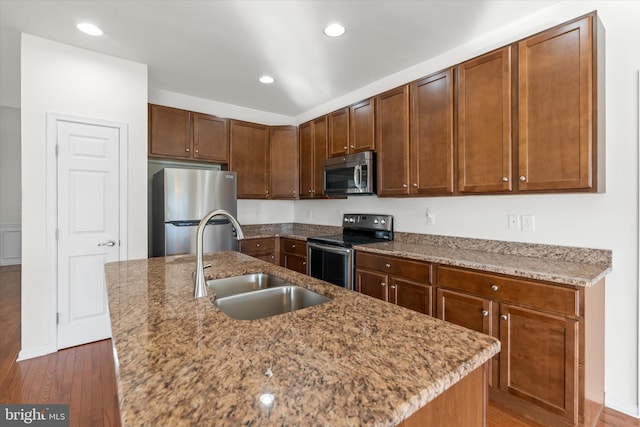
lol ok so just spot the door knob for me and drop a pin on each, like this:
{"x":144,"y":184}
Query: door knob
{"x":107,"y":243}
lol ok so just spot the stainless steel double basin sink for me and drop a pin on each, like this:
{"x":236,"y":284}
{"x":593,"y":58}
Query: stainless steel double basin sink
{"x":260,"y":295}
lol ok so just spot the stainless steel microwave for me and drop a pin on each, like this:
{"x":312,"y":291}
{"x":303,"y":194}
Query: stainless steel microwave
{"x":350,"y":174}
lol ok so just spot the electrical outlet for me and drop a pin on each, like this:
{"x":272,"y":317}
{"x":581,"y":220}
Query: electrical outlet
{"x":528,"y":223}
{"x":513,"y":222}
{"x":431,"y":217}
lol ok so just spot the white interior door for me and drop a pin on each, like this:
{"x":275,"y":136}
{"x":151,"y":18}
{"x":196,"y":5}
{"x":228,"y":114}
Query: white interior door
{"x":88,"y":228}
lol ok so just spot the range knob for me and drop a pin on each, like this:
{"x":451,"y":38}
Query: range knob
{"x":346,"y":219}
{"x":375,"y":221}
{"x":383,"y":221}
{"x":352,"y":219}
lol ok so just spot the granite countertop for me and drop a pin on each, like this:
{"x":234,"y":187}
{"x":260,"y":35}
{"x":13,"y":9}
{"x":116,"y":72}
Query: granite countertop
{"x":353,"y":361}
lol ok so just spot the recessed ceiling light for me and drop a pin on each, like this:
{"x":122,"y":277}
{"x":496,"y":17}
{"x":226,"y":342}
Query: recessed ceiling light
{"x":334,"y":30}
{"x":266,"y":79}
{"x":90,"y":29}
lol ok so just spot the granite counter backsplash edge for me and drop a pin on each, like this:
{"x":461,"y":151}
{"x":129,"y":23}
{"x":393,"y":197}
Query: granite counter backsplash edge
{"x":601,"y":257}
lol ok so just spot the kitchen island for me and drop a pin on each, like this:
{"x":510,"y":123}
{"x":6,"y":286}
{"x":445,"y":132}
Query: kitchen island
{"x":353,"y":361}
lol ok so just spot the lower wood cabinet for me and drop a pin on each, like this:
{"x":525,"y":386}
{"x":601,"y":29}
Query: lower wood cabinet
{"x":551,"y":362}
{"x":264,"y":248}
{"x":293,"y":254}
{"x":399,"y":281}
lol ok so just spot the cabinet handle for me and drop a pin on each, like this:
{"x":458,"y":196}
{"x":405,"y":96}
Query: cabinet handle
{"x":393,"y":286}
{"x":383,"y":284}
{"x":187,"y":150}
{"x":503,"y":316}
{"x":505,"y":179}
{"x":345,"y":147}
{"x":523,"y":178}
{"x":388,"y":265}
{"x":494,"y":288}
{"x":485,"y":313}
{"x":415,"y":184}
{"x":404,"y":185}
{"x":352,"y":146}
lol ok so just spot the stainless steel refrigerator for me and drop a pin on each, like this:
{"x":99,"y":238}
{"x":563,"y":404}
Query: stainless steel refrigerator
{"x":181,"y":198}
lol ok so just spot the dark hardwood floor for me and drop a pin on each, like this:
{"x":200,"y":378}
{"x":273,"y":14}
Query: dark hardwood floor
{"x":84,"y":376}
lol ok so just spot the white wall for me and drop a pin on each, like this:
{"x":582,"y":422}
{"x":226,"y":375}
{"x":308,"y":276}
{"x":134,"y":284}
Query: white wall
{"x":63,"y":79}
{"x":608,"y":221}
{"x":9,"y":165}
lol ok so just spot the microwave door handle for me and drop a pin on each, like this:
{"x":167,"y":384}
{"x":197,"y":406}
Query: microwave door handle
{"x":357,"y":176}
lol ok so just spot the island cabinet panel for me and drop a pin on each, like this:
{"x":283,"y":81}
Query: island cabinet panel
{"x":210,"y":138}
{"x":484,"y":123}
{"x":362,"y":125}
{"x":250,"y":159}
{"x":431,"y":141}
{"x":338,"y":143}
{"x":550,"y":366}
{"x":392,"y":136}
{"x":399,"y":281}
{"x":283,"y":142}
{"x":556,"y":108}
{"x":293,"y":254}
{"x":264,"y":248}
{"x":313,"y":151}
{"x":169,"y":132}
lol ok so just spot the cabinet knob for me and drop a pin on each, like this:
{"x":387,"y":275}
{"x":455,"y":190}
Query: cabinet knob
{"x":309,"y":191}
{"x":186,"y":149}
{"x":388,"y":265}
{"x":503,"y":316}
{"x":352,"y":146}
{"x":404,"y":185}
{"x":293,"y":246}
{"x":304,"y":262}
{"x":485,"y":313}
{"x":523,"y":178}
{"x":294,"y":191}
{"x":505,"y":179}
{"x":494,"y":288}
{"x":393,"y":287}
{"x":266,"y":191}
{"x":383,"y":284}
{"x":197,"y":151}
{"x":345,"y":147}
{"x":257,"y":245}
{"x":415,"y":184}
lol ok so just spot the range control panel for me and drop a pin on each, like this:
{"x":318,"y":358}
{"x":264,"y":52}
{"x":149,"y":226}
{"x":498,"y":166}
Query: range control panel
{"x":368,"y":221}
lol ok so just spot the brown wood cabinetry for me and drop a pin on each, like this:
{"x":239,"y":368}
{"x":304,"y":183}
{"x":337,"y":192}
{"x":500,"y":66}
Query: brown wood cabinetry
{"x":484,"y":123}
{"x":392,"y":134}
{"x":551,"y":364}
{"x":338,"y":144}
{"x":283,"y":141}
{"x":264,"y":248}
{"x":362,"y":126}
{"x":431,"y":141}
{"x":250,"y":159}
{"x":399,"y":281}
{"x":557,"y":133}
{"x":313,"y":152}
{"x":185,"y":135}
{"x":293,"y":254}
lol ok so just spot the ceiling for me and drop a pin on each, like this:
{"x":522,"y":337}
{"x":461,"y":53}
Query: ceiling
{"x":216,"y":49}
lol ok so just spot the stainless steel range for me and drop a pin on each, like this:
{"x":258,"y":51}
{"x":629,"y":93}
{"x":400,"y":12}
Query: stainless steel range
{"x":332,"y":258}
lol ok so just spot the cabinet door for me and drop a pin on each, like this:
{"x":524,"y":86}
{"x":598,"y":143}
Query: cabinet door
{"x":283,"y":141}
{"x":556,"y":104}
{"x":250,"y":159}
{"x":411,"y":295}
{"x":362,"y":126}
{"x":169,"y":132}
{"x":372,"y":284}
{"x":392,"y":134}
{"x":484,"y":123}
{"x":431,"y":142}
{"x":320,"y":134}
{"x":339,"y":132}
{"x":305,"y":136}
{"x":295,"y":263}
{"x":539,"y":359}
{"x":210,"y":138}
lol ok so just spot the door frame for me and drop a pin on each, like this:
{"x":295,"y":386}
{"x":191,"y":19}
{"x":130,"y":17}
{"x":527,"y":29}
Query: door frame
{"x":52,"y":205}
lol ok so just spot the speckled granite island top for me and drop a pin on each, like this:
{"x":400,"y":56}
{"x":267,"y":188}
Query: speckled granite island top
{"x":353,"y":361}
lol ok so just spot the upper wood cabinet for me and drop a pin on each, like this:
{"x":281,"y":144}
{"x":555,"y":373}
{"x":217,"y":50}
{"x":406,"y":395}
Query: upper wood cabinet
{"x":484,"y":123}
{"x":392,"y":134}
{"x":250,"y":155}
{"x":283,"y":141}
{"x":431,"y":142}
{"x":185,"y":135}
{"x":557,"y":130}
{"x":313,"y":152}
{"x":352,"y":129}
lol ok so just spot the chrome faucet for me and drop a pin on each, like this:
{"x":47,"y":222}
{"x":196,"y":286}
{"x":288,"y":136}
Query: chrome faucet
{"x":200,"y":282}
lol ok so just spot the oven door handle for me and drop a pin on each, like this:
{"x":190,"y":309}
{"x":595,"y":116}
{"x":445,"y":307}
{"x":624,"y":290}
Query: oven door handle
{"x":329,"y":248}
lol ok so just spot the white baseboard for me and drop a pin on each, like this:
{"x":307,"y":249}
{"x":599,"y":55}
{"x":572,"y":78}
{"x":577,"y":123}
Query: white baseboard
{"x":35,"y":352}
{"x":621,"y":405}
{"x":10,"y":244}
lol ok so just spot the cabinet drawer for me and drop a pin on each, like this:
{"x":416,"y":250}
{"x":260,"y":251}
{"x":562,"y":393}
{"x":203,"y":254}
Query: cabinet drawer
{"x":258,"y":246}
{"x":413,"y":270}
{"x":526,"y":292}
{"x":293,"y":246}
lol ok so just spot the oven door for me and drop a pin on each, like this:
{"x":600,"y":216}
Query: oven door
{"x":333,"y":264}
